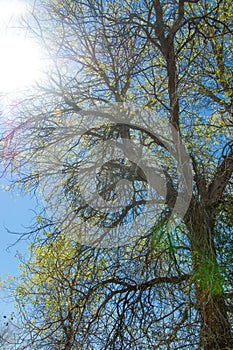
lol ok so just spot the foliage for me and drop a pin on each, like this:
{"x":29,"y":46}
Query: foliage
{"x":166,"y":288}
{"x":76,"y":297}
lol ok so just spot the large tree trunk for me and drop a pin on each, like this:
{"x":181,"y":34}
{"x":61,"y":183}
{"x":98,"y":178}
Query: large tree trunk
{"x":215,"y":327}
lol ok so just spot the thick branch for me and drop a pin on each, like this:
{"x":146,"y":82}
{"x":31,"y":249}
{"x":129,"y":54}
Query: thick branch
{"x":216,"y":188}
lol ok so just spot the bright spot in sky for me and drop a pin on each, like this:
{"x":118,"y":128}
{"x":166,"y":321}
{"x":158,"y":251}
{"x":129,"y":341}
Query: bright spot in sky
{"x":20,"y":62}
{"x":10,"y":9}
{"x":20,"y":58}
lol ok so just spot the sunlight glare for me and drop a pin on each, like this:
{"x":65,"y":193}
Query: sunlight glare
{"x":21,"y":58}
{"x":20,"y":62}
{"x":11,"y":10}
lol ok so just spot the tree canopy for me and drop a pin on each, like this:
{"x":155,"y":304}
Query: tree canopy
{"x":128,"y":139}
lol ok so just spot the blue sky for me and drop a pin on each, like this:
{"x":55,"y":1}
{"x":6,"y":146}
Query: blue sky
{"x":16,"y":214}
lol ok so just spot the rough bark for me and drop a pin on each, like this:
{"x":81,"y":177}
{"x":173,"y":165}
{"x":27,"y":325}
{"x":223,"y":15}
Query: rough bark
{"x":215,"y":327}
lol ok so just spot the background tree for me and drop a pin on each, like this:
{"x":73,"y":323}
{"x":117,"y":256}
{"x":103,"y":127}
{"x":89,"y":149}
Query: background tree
{"x":9,"y":334}
{"x":172,"y":57}
{"x":52,"y":293}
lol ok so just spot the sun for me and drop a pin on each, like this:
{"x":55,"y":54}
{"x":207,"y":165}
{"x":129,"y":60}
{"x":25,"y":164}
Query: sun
{"x":21,"y":57}
{"x":20,"y":62}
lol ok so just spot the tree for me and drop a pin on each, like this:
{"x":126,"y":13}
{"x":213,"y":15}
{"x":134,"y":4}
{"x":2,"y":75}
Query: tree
{"x":9,"y":334}
{"x":172,"y":60}
{"x":51,"y":294}
{"x":75,"y":297}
